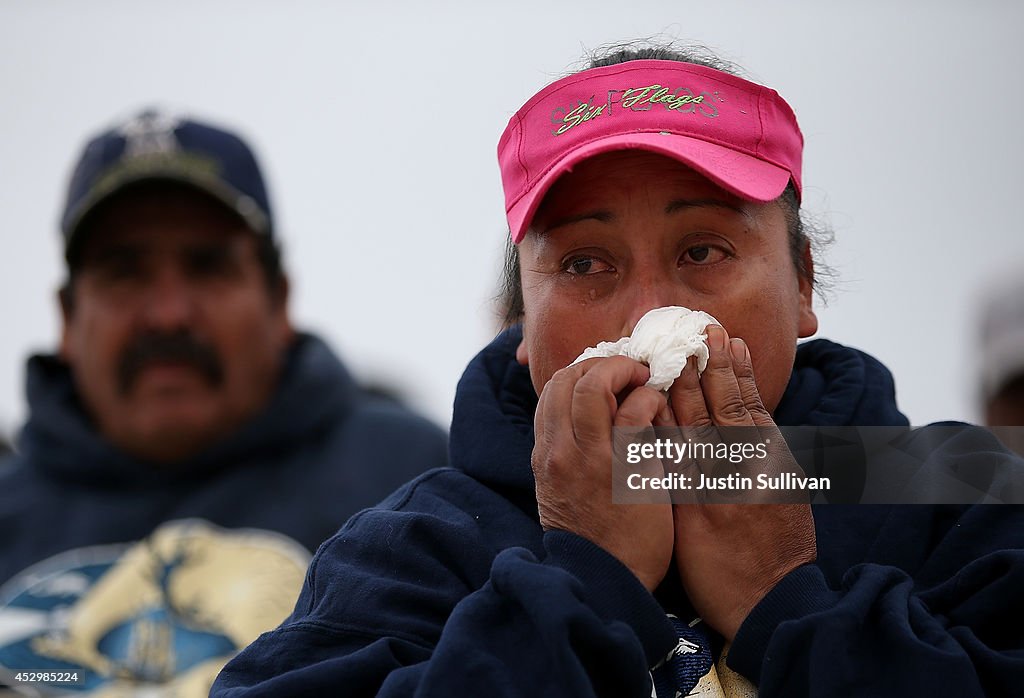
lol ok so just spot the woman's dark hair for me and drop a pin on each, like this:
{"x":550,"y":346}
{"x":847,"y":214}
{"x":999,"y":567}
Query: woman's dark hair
{"x":804,"y":232}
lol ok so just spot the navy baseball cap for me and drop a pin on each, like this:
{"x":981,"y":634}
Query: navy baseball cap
{"x":156,"y":146}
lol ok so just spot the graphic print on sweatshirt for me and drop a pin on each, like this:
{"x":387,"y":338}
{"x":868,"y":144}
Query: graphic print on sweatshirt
{"x":160,"y":615}
{"x":690,"y":671}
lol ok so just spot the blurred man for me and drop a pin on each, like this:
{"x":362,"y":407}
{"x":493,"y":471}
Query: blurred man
{"x":186,"y":447}
{"x":1002,"y":360}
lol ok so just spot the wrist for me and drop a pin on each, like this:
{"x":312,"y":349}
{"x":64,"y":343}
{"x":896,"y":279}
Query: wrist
{"x":800,"y":593}
{"x":612,"y":590}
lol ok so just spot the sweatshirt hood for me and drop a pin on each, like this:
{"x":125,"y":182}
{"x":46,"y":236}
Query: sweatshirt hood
{"x":835,"y":385}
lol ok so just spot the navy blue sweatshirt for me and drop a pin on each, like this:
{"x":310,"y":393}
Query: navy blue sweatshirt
{"x":451,"y":587}
{"x":218,"y":536}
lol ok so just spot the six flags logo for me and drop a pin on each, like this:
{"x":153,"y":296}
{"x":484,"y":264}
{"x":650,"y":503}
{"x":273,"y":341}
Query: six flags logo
{"x":681,"y":100}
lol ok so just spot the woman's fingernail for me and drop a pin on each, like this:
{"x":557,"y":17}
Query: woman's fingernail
{"x":739,"y":350}
{"x":717,"y":337}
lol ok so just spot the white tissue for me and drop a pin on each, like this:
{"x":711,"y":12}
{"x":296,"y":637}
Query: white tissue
{"x":663,"y":339}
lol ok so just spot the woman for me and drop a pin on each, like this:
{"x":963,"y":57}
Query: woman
{"x":649,"y":180}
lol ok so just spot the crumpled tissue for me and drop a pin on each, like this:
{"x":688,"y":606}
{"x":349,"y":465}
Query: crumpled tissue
{"x":663,"y":339}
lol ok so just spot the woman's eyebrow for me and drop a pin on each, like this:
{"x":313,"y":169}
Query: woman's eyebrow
{"x":674,"y":206}
{"x":600,"y":215}
{"x":677,"y":205}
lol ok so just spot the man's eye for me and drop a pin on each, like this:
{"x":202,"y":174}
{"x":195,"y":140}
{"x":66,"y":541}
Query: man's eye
{"x":209,"y":262}
{"x":116,"y":267}
{"x":703,"y":255}
{"x":584,"y":266}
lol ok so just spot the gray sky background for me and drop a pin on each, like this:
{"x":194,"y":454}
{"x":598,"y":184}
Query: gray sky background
{"x":377,"y":124}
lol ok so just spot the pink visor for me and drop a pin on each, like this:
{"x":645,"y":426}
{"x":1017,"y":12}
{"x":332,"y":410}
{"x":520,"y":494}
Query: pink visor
{"x":740,"y":135}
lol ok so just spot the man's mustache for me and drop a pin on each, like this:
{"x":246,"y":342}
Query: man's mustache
{"x":178,"y":348}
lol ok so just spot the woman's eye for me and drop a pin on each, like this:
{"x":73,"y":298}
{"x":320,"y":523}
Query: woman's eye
{"x":582,"y":266}
{"x":703,"y":254}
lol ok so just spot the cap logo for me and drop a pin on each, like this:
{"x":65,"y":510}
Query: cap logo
{"x":682,"y":100}
{"x":152,"y":146}
{"x":150,"y":134}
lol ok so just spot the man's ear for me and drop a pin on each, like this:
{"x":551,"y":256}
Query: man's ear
{"x":279,"y":297}
{"x":281,"y":289}
{"x":808,"y":320}
{"x":65,"y":300}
